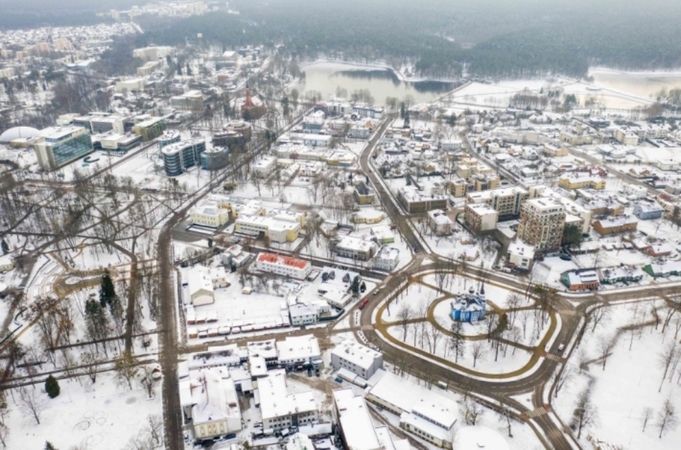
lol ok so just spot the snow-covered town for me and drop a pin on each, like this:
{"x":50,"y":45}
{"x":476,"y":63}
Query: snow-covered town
{"x":228,"y":247}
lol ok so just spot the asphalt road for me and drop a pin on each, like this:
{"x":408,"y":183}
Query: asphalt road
{"x":502,"y":391}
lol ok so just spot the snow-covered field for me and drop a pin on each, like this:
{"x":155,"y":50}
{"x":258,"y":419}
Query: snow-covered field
{"x":630,"y":383}
{"x":101,"y":416}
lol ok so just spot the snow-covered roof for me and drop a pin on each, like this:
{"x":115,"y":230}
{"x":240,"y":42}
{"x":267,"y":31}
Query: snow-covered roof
{"x":275,"y":401}
{"x":356,"y":353}
{"x":297,"y":348}
{"x":475,"y":438}
{"x":19,"y":133}
{"x":355,"y":420}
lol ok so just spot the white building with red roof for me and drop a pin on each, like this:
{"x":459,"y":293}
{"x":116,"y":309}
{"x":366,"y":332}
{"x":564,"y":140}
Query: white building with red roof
{"x":283,"y":265}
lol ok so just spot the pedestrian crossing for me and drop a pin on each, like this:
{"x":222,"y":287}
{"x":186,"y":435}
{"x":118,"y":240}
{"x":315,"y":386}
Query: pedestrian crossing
{"x":567,"y":312}
{"x":553,"y":357}
{"x":536,"y":412}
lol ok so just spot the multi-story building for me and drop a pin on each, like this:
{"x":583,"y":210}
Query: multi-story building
{"x":415,"y":201}
{"x":480,"y":217}
{"x":356,"y":428}
{"x":364,"y":195}
{"x":542,"y":221}
{"x":648,"y":210}
{"x":168,"y":137}
{"x":209,"y":215}
{"x":179,"y":157}
{"x":440,"y":223}
{"x":283,"y":265}
{"x":150,"y":128}
{"x":58,"y":146}
{"x":281,"y":409}
{"x":215,"y":158}
{"x":387,"y":258}
{"x":274,"y":229}
{"x":422,"y":411}
{"x":301,"y":314}
{"x":152,"y":53}
{"x":356,"y":358}
{"x":209,"y":401}
{"x":355,"y":248}
{"x":520,"y":255}
{"x":189,"y":101}
{"x":506,"y":201}
{"x":613,"y":225}
{"x":299,"y":352}
{"x":625,"y":136}
{"x":458,"y":187}
{"x":581,"y":180}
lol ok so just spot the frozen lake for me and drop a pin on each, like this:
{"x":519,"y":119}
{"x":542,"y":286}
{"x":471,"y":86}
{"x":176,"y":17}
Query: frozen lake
{"x":326,"y":77}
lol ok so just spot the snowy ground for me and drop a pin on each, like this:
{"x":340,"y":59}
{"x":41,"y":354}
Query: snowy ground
{"x":629,"y":383}
{"x":101,"y":416}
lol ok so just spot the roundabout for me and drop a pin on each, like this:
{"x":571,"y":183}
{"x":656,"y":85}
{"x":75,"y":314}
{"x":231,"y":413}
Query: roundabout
{"x":457,"y":325}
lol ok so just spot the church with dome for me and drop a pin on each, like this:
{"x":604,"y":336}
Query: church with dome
{"x":469,"y":307}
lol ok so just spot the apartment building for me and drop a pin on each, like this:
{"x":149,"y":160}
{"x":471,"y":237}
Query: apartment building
{"x":415,"y":201}
{"x":480,"y":217}
{"x":276,"y":230}
{"x":542,"y":222}
{"x":506,"y":201}
{"x":440,"y":223}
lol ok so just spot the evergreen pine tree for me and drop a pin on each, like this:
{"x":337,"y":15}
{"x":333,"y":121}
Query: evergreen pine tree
{"x":106,"y":290}
{"x":5,"y":247}
{"x":49,"y":446}
{"x":52,"y":387}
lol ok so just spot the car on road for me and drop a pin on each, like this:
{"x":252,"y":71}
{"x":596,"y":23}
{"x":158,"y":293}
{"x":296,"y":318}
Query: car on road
{"x":561,"y":347}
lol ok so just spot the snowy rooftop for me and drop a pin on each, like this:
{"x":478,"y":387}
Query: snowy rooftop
{"x":275,"y":401}
{"x":214,"y":395}
{"x":356,"y":354}
{"x":355,"y":420}
{"x":295,"y":348}
{"x":476,"y":438}
{"x":404,"y":394}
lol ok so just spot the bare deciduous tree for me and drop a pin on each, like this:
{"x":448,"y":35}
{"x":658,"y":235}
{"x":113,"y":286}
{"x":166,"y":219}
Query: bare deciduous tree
{"x":147,"y":380}
{"x":126,"y":368}
{"x":90,"y":360}
{"x":31,"y":402}
{"x":666,"y":418}
{"x":645,"y":417}
{"x":605,"y":346}
{"x":666,"y":358}
{"x":472,"y":411}
{"x":404,"y":315}
{"x":585,"y":413}
{"x":477,"y":352}
{"x":562,"y":379}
